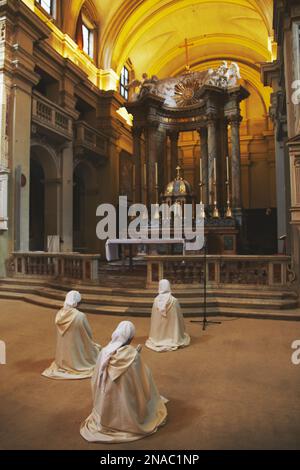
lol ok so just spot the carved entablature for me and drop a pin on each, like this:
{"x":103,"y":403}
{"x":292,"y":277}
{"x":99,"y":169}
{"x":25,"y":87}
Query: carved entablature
{"x":186,"y":90}
{"x":204,"y":104}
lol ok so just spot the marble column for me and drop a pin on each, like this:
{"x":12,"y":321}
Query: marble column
{"x":137,"y":155}
{"x":174,"y":136}
{"x":212,"y":155}
{"x":283,"y":191}
{"x":223,"y":166}
{"x":151,"y":161}
{"x":204,"y":157}
{"x":236,"y":163}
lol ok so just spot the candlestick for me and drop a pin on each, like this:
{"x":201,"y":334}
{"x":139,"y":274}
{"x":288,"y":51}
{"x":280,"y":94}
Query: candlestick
{"x":227,"y":168}
{"x":201,"y":171}
{"x":145,"y":175}
{"x":216,"y":213}
{"x":156,"y":173}
{"x":133,"y":182}
{"x":215,"y":170}
{"x":228,"y":213}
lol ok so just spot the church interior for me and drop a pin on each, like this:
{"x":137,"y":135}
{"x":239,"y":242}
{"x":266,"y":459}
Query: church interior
{"x":170,"y":102}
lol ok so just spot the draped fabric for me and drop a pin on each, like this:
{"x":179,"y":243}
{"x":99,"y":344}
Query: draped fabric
{"x":164,"y":298}
{"x":76,"y":352}
{"x":167,"y":330}
{"x":66,"y":315}
{"x":121,"y":336}
{"x":129,"y":406}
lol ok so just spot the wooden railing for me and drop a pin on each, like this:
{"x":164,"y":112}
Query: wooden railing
{"x":268,"y":271}
{"x":90,"y":139}
{"x":55,"y":266}
{"x":51,"y":116}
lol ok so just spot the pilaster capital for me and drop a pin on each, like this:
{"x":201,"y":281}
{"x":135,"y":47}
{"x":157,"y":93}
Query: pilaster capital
{"x":211,"y":118}
{"x":234,"y":120}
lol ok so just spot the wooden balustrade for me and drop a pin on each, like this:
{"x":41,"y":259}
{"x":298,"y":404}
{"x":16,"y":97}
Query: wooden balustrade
{"x":268,"y":271}
{"x":72,"y":266}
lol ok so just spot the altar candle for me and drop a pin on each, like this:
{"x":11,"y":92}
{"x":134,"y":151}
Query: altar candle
{"x":145,"y":175}
{"x":227,"y":167}
{"x":215,"y":170}
{"x":201,"y":174}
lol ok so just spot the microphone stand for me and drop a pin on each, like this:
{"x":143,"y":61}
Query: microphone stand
{"x":205,"y":322}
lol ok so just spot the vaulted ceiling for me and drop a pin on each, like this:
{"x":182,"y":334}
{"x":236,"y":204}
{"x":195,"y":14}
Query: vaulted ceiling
{"x":150,"y":33}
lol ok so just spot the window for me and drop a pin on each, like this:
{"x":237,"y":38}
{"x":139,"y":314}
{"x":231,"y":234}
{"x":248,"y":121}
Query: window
{"x":48,"y":6}
{"x":88,"y":40}
{"x":124,"y":81}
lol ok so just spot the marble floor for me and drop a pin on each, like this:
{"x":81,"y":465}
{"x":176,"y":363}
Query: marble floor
{"x":235,"y":387}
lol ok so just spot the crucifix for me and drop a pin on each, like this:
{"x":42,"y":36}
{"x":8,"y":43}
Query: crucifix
{"x":186,"y":45}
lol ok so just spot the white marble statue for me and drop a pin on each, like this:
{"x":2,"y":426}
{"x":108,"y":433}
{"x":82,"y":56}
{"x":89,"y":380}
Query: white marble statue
{"x":233,"y":75}
{"x":144,"y":86}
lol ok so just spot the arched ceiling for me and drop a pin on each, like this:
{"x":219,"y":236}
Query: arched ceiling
{"x":150,"y":32}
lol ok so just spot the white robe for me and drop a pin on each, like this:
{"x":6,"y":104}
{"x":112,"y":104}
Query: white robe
{"x":76,"y":352}
{"x":127,"y":404}
{"x":167,"y":332}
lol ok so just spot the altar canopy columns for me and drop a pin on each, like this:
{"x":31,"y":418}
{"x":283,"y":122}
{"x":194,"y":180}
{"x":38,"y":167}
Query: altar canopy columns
{"x":155,"y":154}
{"x":161,"y":157}
{"x":234,"y":122}
{"x":137,"y":155}
{"x":212,"y":156}
{"x":210,"y":119}
{"x":204,"y":160}
{"x":174,"y":137}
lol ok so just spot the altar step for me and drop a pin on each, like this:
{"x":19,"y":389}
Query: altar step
{"x":232,"y":302}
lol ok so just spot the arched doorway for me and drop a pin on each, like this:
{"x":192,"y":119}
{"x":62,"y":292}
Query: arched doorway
{"x":79,"y":196}
{"x":37,"y":207}
{"x":44,"y":214}
{"x":84,"y":208}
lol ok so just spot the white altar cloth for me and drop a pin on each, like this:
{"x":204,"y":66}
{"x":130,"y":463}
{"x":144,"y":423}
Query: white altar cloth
{"x":111,"y":246}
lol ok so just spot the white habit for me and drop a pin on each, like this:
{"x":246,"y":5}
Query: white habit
{"x":126,"y":403}
{"x":76,"y":352}
{"x":167,"y":331}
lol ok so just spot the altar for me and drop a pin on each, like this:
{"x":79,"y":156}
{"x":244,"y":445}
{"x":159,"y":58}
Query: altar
{"x":115,"y":249}
{"x":209,"y":103}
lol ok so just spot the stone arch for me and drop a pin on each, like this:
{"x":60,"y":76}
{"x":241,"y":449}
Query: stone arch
{"x":44,"y":195}
{"x":85,"y":190}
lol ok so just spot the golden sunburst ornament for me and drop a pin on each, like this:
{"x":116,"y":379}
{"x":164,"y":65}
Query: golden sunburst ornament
{"x":186,"y":92}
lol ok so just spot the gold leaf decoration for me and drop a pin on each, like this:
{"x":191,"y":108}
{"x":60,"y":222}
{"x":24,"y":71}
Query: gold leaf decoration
{"x":186,"y":92}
